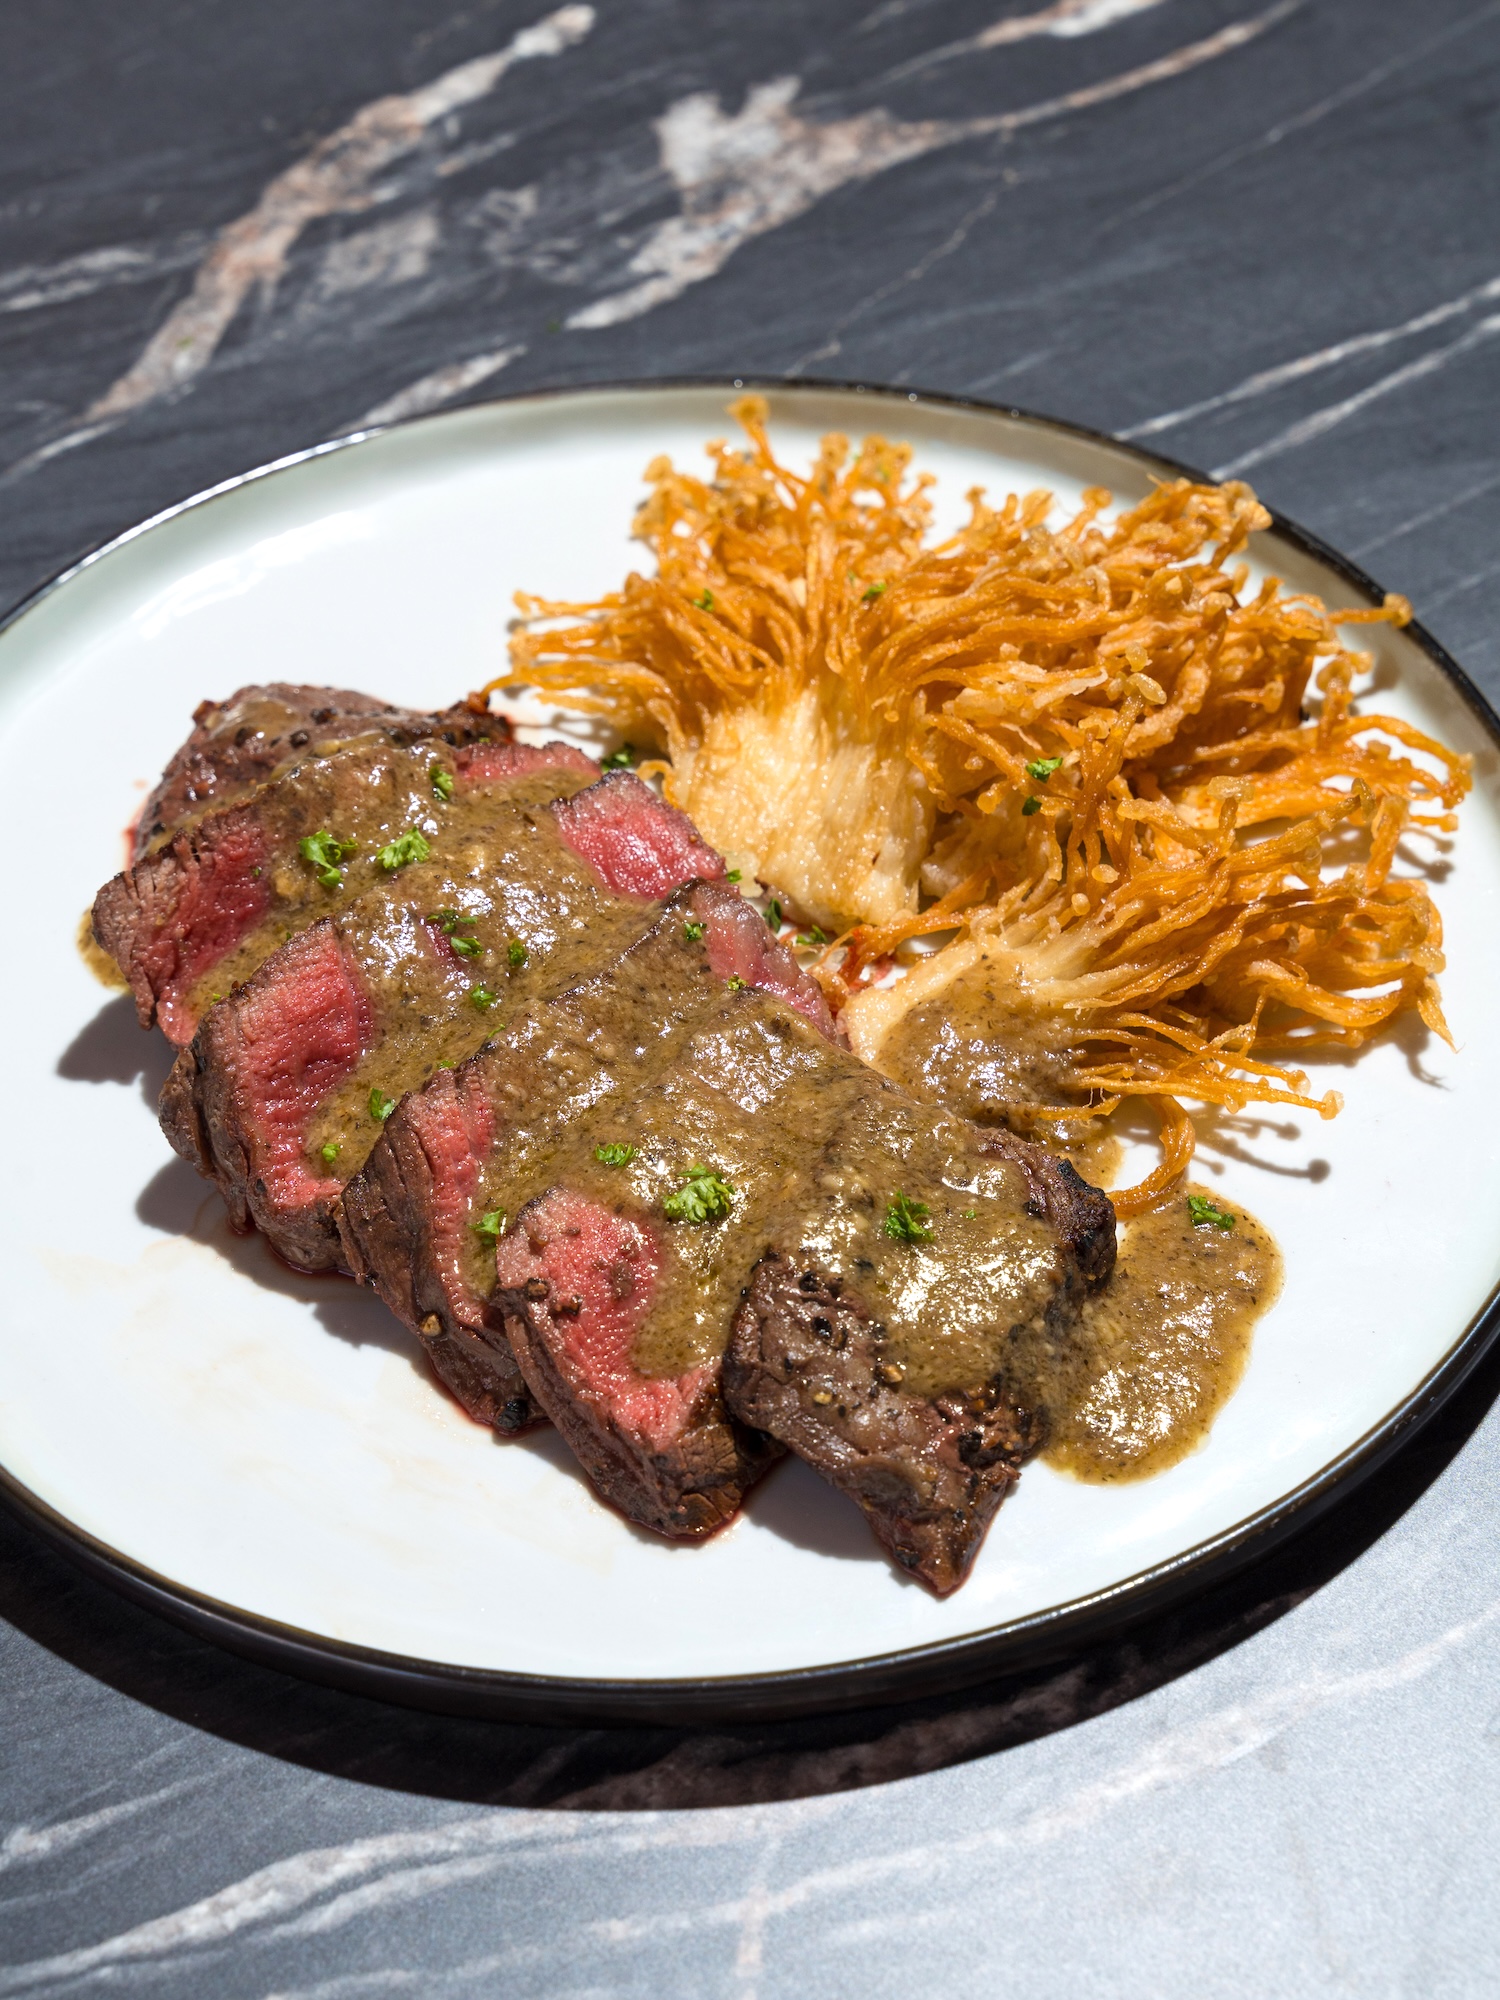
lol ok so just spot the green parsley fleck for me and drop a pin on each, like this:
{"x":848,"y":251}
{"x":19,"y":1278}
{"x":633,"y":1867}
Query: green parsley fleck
{"x":1041,"y":768}
{"x":692,"y":930}
{"x":1202,"y":1210}
{"x":482,"y":998}
{"x":404,"y":849}
{"x":467,"y":946}
{"x":1030,"y":806}
{"x":614,"y":1155}
{"x":815,"y":937}
{"x":329,"y":1153}
{"x":705,"y":602}
{"x":515,"y":954}
{"x":324,"y":854}
{"x":381,"y":1106}
{"x":619,"y":760}
{"x":906,"y":1220}
{"x":971,"y":1215}
{"x":731,"y":874}
{"x":773,"y":914}
{"x":442,"y":781}
{"x":489,"y":1227}
{"x":703,"y":1197}
{"x":735,"y":983}
{"x":875,"y":590}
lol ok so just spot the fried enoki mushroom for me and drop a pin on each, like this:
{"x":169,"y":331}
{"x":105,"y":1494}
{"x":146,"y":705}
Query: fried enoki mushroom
{"x":1134,"y":788}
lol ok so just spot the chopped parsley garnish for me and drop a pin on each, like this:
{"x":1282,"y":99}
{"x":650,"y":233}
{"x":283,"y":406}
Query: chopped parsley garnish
{"x":515,"y":954}
{"x":1030,"y":806}
{"x":875,"y":590}
{"x":814,"y":936}
{"x":731,"y":874}
{"x":1202,"y":1210}
{"x":735,"y":983}
{"x":464,"y":943}
{"x":488,"y":1228}
{"x":703,"y":1197}
{"x":692,"y":930}
{"x":404,"y":849}
{"x":482,"y":998}
{"x":773,"y":914}
{"x":329,"y":1153}
{"x":613,"y":1155}
{"x":323,"y":854}
{"x":906,"y":1220}
{"x":1041,"y":768}
{"x":442,"y":781}
{"x":381,"y":1106}
{"x":705,"y":602}
{"x":619,"y":760}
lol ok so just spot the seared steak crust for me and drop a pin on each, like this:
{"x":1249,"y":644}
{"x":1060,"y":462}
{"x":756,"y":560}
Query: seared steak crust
{"x":808,"y":1364}
{"x":237,"y":743}
{"x":1082,"y":1215}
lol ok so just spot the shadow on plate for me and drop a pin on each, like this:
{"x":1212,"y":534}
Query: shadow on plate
{"x":114,"y":1048}
{"x":610,"y":1769}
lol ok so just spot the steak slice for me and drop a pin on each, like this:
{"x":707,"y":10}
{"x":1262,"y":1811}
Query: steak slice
{"x":577,"y":1279}
{"x":238,"y":743}
{"x":809,"y":1365}
{"x":447,"y":1157}
{"x":927,"y":1462}
{"x":199,"y":914}
{"x":288,"y":1081}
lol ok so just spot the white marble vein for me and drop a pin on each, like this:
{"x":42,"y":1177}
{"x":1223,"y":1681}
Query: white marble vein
{"x":329,"y":1889}
{"x":743,"y":174}
{"x":1318,"y":422}
{"x":1066,"y":20}
{"x":1266,"y":381}
{"x":431,"y":391}
{"x":338,"y":175}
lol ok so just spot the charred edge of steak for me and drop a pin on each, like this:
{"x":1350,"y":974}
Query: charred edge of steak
{"x":685,"y":1490}
{"x":385,"y":1225}
{"x":238,"y":742}
{"x":1082,"y":1215}
{"x":808,"y":1364}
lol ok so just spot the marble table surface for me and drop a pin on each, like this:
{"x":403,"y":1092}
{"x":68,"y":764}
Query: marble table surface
{"x":1261,"y":237}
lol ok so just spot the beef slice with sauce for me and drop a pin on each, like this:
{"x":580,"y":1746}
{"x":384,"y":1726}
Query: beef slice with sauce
{"x":563,"y":1072}
{"x":928,"y":1451}
{"x":810,"y":1149}
{"x":281,"y":1093}
{"x":239,"y":743}
{"x":577,"y":1280}
{"x":198,"y":915}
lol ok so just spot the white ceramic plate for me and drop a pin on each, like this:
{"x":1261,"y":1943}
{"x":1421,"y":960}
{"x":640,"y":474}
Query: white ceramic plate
{"x":265,"y":1456}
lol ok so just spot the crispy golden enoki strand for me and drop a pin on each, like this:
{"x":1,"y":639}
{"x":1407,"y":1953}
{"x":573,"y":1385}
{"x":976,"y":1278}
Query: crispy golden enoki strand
{"x":1148,"y":790}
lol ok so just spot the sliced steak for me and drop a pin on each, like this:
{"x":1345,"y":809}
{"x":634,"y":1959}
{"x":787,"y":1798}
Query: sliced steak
{"x":288,"y":1080}
{"x":577,"y":1280}
{"x":809,"y":1365}
{"x":198,"y":915}
{"x":449,"y":1156}
{"x":238,"y":743}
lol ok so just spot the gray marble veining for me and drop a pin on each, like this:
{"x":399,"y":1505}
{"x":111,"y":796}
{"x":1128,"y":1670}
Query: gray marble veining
{"x":1259,"y":237}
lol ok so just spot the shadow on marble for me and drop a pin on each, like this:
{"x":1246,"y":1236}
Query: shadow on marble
{"x":611,"y":1769}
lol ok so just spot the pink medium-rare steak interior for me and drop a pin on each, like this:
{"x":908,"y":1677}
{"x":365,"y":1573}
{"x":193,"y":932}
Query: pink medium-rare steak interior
{"x":740,"y":946}
{"x":453,"y":1122}
{"x":636,"y":843}
{"x":492,"y":763}
{"x":597,"y":1272}
{"x":177,"y":913}
{"x":173,"y":916}
{"x":301,"y":1025}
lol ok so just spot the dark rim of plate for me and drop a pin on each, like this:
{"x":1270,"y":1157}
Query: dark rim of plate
{"x":1044,"y":1637}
